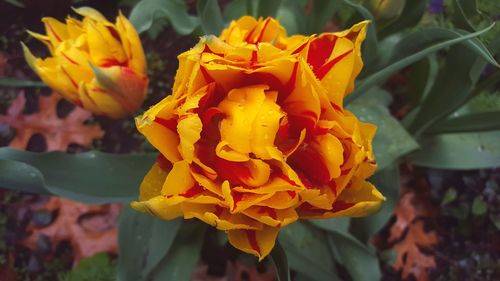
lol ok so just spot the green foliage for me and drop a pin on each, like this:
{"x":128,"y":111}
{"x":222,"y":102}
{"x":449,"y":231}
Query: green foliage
{"x":146,"y":12}
{"x":96,"y":268}
{"x":90,"y":177}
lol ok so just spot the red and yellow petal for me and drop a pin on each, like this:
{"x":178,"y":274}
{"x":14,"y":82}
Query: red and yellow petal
{"x":255,"y":242}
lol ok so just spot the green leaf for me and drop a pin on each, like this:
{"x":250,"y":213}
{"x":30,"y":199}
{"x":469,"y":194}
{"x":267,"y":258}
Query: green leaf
{"x":381,"y":75}
{"x":449,"y":196}
{"x":146,"y":12}
{"x":388,"y":183}
{"x":21,"y":177}
{"x":181,"y":260}
{"x":469,"y":123}
{"x":12,"y":82}
{"x":306,"y":251}
{"x":278,"y":257}
{"x":235,"y":9}
{"x":422,"y":77}
{"x":267,"y":8}
{"x":370,"y":48}
{"x":335,"y":224}
{"x":464,"y":10}
{"x":451,"y":90}
{"x":90,"y":177}
{"x":143,"y":241}
{"x":210,"y":16}
{"x":322,"y":12}
{"x":291,"y":16}
{"x":479,"y":207}
{"x":410,"y":16}
{"x":359,"y":260}
{"x":464,"y":151}
{"x":98,"y":268}
{"x":391,"y":140}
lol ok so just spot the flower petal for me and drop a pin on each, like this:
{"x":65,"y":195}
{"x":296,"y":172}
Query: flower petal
{"x":255,"y":242}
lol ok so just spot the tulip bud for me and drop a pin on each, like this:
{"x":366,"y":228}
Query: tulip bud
{"x":387,"y":9}
{"x":94,"y":63}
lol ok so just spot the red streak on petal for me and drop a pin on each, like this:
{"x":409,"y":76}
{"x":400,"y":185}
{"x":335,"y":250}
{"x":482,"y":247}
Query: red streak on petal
{"x":340,"y":206}
{"x":307,"y":183}
{"x":270,"y":211}
{"x":254,"y":58}
{"x":53,"y":32}
{"x":344,"y":172}
{"x":263,"y":30}
{"x":336,"y":107}
{"x":207,"y":97}
{"x":311,"y":163}
{"x":193,"y":191}
{"x":352,"y":35}
{"x":289,"y":86}
{"x":218,"y":211}
{"x":292,"y":193}
{"x":300,"y":48}
{"x":234,"y":172}
{"x":69,"y":77}
{"x":112,"y":62}
{"x":208,"y":50}
{"x":211,"y":113}
{"x":283,"y":130}
{"x":237,"y":197}
{"x":163,"y":162}
{"x":333,"y":187}
{"x":250,"y":34}
{"x":252,"y":239}
{"x":322,"y":71}
{"x":170,"y":124}
{"x":69,"y":59}
{"x":320,"y":50}
{"x":288,"y":180}
{"x":206,"y":75}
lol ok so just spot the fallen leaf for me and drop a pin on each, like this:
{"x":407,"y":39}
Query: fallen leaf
{"x":410,"y":258}
{"x":59,"y":133}
{"x":410,"y":237}
{"x":89,"y":228}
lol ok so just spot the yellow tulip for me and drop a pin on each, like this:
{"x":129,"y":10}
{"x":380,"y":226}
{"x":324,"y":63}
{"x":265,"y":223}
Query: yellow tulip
{"x":94,"y":63}
{"x":255,"y":136}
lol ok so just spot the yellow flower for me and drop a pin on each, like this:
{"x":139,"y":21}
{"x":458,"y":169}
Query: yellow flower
{"x":254,"y":135}
{"x":95,"y":63}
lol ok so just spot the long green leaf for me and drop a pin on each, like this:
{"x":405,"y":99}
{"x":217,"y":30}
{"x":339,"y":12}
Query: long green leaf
{"x":359,"y":260}
{"x":384,"y":73}
{"x":210,"y":15}
{"x":143,"y":241}
{"x":267,"y":8}
{"x":235,"y":9}
{"x":305,"y":248}
{"x":452,"y":88}
{"x":12,"y":82}
{"x":280,"y":261}
{"x":90,"y":177}
{"x":291,"y":16}
{"x":410,"y":16}
{"x":469,"y":123}
{"x":146,"y":12}
{"x":459,"y":151}
{"x":181,"y":260}
{"x":322,"y":12}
